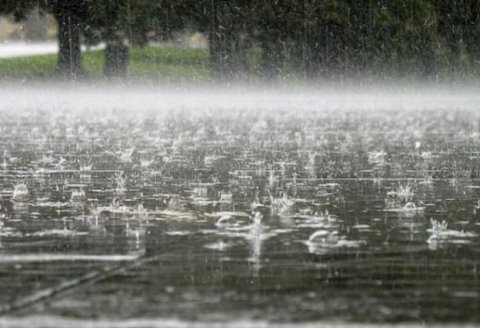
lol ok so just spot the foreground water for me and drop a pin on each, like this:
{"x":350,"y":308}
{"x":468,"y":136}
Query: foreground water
{"x":251,"y":209}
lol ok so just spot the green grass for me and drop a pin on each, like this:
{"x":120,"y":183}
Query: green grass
{"x":170,"y":63}
{"x":27,"y":67}
{"x":157,"y":63}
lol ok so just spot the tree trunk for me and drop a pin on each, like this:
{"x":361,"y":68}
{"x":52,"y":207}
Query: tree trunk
{"x":69,"y":61}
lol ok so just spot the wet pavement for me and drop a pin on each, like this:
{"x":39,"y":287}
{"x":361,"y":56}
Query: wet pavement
{"x":188,"y":217}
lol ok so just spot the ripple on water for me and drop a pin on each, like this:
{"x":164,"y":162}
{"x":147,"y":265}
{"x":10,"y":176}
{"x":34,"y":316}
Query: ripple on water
{"x":267,"y":214}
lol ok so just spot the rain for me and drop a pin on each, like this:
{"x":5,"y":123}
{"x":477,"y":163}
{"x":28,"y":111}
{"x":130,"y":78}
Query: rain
{"x":239,"y":163}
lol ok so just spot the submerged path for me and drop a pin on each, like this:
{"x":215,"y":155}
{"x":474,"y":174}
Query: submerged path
{"x":12,"y":49}
{"x":53,"y":283}
{"x":22,"y":49}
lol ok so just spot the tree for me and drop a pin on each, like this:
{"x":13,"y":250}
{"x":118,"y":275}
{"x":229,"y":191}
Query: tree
{"x":70,"y":16}
{"x":120,"y":23}
{"x":310,"y":38}
{"x":18,"y":8}
{"x":105,"y":23}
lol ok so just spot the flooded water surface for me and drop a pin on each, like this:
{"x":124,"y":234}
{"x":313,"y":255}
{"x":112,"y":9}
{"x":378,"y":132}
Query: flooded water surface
{"x":271,"y":209}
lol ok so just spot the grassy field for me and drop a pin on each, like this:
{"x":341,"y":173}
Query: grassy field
{"x":153,"y":62}
{"x":168,"y":63}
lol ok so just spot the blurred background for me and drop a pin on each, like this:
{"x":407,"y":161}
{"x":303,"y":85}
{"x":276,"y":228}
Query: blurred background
{"x":243,"y":40}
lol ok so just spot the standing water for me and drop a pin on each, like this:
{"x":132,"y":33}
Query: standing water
{"x":177,"y":209}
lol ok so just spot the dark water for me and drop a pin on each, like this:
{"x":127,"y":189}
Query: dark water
{"x":211,"y":216}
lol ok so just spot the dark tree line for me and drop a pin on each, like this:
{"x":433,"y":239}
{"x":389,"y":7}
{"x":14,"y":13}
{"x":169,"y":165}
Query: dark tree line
{"x":71,"y":16}
{"x":272,"y":38}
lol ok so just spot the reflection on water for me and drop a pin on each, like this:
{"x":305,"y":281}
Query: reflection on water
{"x":280,"y":217}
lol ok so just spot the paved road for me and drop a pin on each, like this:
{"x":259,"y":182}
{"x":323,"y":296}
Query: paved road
{"x":21,"y":49}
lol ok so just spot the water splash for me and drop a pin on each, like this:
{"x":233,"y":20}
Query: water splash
{"x":20,"y":192}
{"x":440,"y":234}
